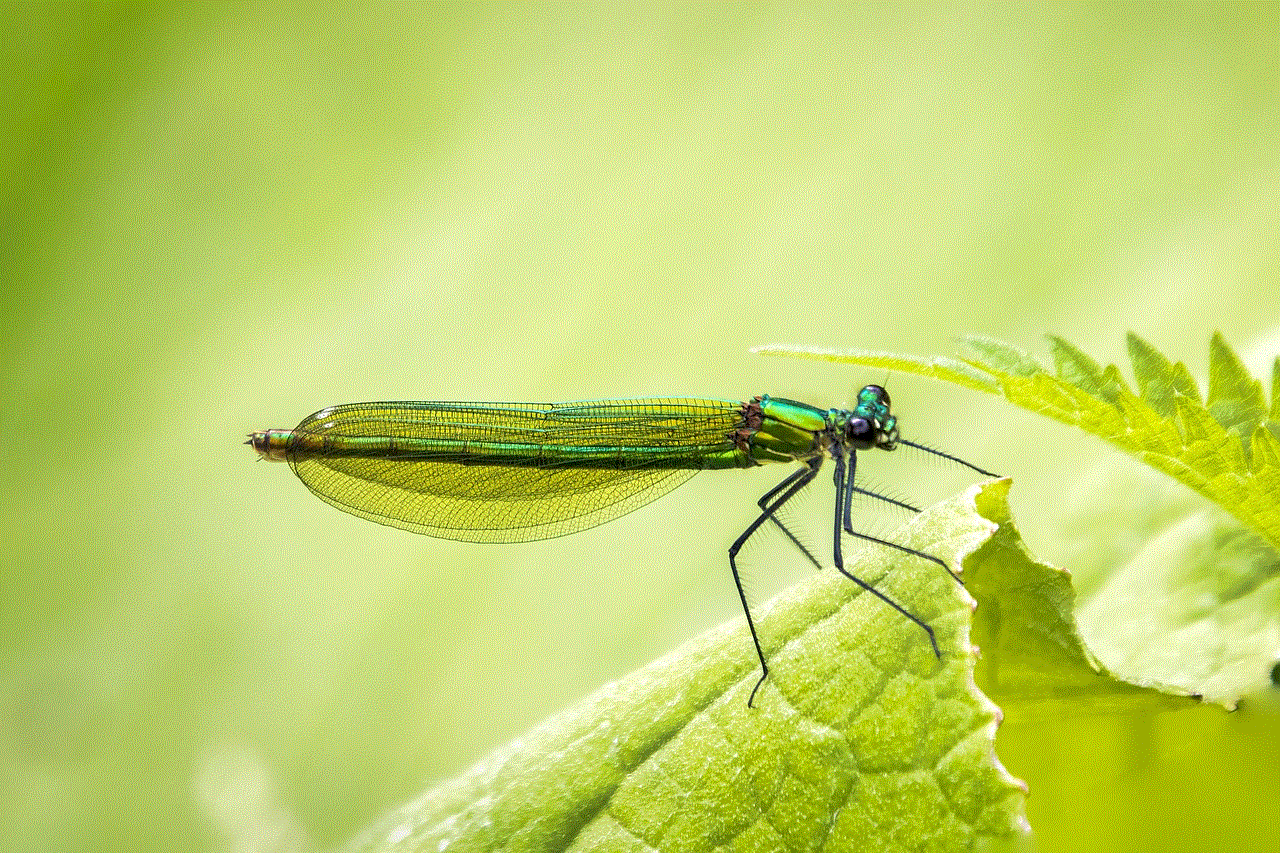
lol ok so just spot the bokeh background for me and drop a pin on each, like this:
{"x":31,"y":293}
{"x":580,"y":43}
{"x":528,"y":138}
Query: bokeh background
{"x":220,"y":218}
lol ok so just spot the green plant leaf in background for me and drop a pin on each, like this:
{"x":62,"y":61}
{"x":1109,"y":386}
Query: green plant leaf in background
{"x":1033,"y":654}
{"x":862,"y":740}
{"x":1197,"y":608}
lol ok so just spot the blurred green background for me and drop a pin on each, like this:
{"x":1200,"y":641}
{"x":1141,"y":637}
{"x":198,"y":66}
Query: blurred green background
{"x":220,"y":218}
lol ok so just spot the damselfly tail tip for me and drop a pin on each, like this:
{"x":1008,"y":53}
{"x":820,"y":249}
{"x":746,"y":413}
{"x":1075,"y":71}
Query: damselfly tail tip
{"x":270,"y":444}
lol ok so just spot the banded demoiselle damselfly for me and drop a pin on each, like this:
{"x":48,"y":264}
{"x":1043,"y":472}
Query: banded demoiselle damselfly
{"x":512,"y":472}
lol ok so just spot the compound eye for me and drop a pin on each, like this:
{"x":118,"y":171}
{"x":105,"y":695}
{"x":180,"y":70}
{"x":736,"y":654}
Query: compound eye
{"x":879,"y":393}
{"x":860,"y":430}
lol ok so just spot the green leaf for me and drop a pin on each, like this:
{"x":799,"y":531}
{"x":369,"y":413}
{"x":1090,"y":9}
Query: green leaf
{"x":1194,"y":607}
{"x":1077,"y":368}
{"x":947,"y":369}
{"x":1275,"y":390}
{"x":861,"y":739}
{"x":1195,"y":600}
{"x":983,"y":352}
{"x":1158,"y":380}
{"x":1032,"y":651}
{"x":1235,"y":398}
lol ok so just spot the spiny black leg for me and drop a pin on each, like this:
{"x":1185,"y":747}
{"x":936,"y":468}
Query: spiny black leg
{"x":843,"y":497}
{"x":904,"y":549}
{"x":791,"y":478}
{"x":763,"y":503}
{"x":947,"y":456}
{"x":795,"y":541}
{"x":844,"y":488}
{"x":885,"y":498}
{"x":792,"y":484}
{"x":848,"y":489}
{"x":851,"y":488}
{"x":842,"y":510}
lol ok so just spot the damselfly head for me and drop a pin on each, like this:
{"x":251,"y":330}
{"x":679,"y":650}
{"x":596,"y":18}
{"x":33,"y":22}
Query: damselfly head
{"x":870,"y":423}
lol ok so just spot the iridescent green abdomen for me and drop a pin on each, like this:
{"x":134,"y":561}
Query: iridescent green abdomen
{"x":499,"y":472}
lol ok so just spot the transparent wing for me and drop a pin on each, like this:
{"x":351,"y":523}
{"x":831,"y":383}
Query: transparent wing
{"x":508,"y":472}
